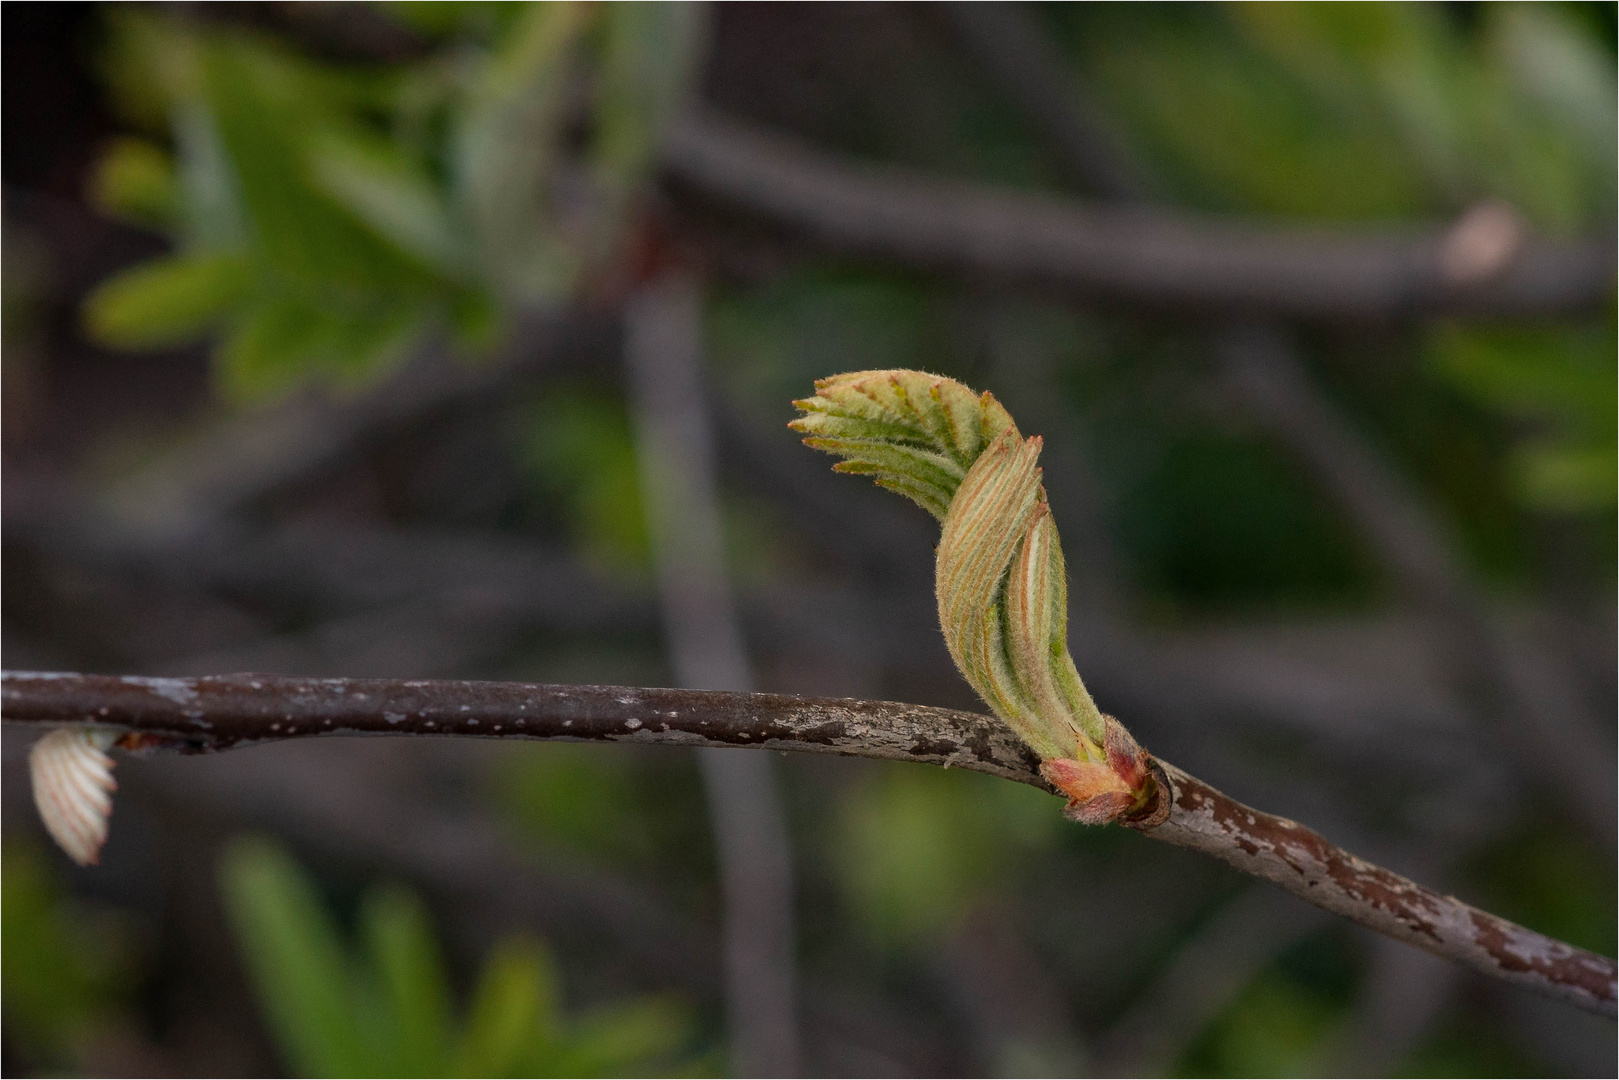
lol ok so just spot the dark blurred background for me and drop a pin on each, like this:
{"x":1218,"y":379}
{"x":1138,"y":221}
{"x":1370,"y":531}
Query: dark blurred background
{"x":458,"y":340}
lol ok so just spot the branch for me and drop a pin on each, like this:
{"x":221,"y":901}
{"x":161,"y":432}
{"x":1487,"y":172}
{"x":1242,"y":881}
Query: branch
{"x":1147,"y":256}
{"x":1304,"y":863}
{"x":221,"y":712}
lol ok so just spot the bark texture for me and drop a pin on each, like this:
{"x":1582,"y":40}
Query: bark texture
{"x":225,"y":711}
{"x":1307,"y":865}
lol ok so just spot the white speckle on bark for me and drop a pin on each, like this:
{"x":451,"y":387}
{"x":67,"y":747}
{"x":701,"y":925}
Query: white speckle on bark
{"x":176,"y":690}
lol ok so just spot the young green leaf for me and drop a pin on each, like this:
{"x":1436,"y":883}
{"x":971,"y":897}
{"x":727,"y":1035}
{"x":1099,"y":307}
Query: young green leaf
{"x":999,"y":574}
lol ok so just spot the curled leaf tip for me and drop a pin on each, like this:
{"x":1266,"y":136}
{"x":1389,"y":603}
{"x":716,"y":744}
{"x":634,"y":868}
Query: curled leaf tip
{"x":1000,"y":580}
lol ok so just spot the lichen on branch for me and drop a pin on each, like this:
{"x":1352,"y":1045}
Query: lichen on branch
{"x":999,"y":575}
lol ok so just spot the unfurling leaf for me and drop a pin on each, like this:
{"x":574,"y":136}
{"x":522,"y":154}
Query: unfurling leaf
{"x":1000,"y":579}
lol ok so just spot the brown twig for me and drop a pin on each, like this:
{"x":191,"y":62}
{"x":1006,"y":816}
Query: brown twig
{"x":1301,"y":861}
{"x":1149,"y":256}
{"x":220,"y":712}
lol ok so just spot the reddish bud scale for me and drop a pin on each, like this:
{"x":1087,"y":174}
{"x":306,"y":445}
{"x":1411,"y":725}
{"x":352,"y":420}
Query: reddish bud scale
{"x":1124,"y":790}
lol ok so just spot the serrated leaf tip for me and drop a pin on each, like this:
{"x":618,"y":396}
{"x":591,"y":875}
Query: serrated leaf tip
{"x":999,"y":576}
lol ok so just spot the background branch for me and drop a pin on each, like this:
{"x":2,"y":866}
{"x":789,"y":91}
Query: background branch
{"x":1150,"y":257}
{"x":244,"y":458}
{"x":679,"y":488}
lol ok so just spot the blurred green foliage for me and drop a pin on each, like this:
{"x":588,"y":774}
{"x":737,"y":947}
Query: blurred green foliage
{"x":1276,"y":1027}
{"x":1350,"y":111}
{"x":1561,"y":384}
{"x":1542,"y":874}
{"x":1468,"y":1046}
{"x":580,"y":451}
{"x":625,"y":808}
{"x":1285,"y":1021}
{"x":916,"y":847}
{"x":1358,"y":112}
{"x":382,"y":1006}
{"x":325,"y":216}
{"x":1218,"y":520}
{"x":66,"y":969}
{"x":582,"y":796}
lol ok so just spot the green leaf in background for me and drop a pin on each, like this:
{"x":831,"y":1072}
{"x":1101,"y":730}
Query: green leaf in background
{"x":1471,"y":108}
{"x":399,"y":202}
{"x":135,"y":181}
{"x":1562,"y":66}
{"x":295,"y":959}
{"x":270,"y":106}
{"x":1566,"y":478}
{"x":1286,"y":1020}
{"x":917,"y":847}
{"x":1362,"y":111}
{"x":167,"y":301}
{"x":413,"y":1026}
{"x":649,"y":59}
{"x":1230,"y":129}
{"x":64,"y":969}
{"x":280,"y":338}
{"x":512,"y":1021}
{"x":473,"y":19}
{"x":1274,"y":1028}
{"x":156,"y":67}
{"x":503,"y":143}
{"x":576,"y":794}
{"x":1563,"y":383}
{"x":212,"y":215}
{"x":374,"y":201}
{"x":311,"y":288}
{"x":383,"y":1009}
{"x":580,"y":450}
{"x":615,"y":1038}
